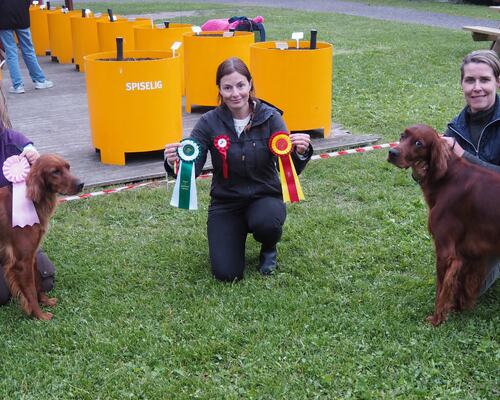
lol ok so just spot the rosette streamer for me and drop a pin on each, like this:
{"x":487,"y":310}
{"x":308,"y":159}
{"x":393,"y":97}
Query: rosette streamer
{"x":16,"y":169}
{"x":184,"y":194}
{"x":222,"y":144}
{"x":281,"y":146}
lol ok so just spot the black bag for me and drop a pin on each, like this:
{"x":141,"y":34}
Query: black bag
{"x":248,"y":25}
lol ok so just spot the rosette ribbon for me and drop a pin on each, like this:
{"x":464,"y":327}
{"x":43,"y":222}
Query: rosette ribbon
{"x":184,"y":194}
{"x":281,"y":146}
{"x":16,"y":169}
{"x":222,"y":144}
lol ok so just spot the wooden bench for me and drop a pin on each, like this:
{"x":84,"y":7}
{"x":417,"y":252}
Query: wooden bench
{"x":484,"y":33}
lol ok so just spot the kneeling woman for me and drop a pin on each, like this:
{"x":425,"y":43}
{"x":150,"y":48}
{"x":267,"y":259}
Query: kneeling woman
{"x":248,"y":198}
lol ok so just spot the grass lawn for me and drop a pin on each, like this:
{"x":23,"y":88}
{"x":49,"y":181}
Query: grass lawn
{"x":140,"y":316}
{"x":438,"y":6}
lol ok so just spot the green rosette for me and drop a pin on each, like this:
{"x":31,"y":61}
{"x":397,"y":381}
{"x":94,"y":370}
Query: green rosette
{"x":184,"y":194}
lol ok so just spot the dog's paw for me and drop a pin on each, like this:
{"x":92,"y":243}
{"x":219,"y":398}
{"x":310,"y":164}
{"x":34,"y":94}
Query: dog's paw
{"x":46,"y":316}
{"x":436,"y":319}
{"x":51,"y":302}
{"x":44,"y":300}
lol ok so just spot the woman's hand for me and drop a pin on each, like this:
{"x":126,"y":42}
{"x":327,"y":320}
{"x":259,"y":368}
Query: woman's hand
{"x":31,"y":155}
{"x":300,"y":141}
{"x":170,"y":153}
{"x":454,"y":146}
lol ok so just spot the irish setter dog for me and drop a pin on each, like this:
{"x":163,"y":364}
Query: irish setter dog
{"x":49,"y":175}
{"x":464,"y":217}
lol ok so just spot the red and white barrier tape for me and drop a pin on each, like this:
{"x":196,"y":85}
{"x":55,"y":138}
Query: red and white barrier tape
{"x":354,"y":151}
{"x":205,"y":176}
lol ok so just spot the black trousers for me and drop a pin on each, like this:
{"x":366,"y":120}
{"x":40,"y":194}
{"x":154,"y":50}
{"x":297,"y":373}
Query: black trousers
{"x":45,"y":269}
{"x":227,"y":228}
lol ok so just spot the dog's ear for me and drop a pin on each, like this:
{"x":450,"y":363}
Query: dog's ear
{"x":35,"y":183}
{"x":440,"y":154}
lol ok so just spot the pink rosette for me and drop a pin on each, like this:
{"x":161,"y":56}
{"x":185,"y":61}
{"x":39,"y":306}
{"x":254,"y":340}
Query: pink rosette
{"x":16,"y":169}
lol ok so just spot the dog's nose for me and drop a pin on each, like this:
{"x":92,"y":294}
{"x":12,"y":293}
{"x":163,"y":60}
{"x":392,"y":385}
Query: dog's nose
{"x":393,"y":154}
{"x":79,"y":186}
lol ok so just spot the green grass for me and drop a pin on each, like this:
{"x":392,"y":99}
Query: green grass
{"x":437,"y":6}
{"x":141,"y":317}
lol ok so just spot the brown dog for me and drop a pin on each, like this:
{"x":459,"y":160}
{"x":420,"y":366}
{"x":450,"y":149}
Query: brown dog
{"x":464,"y":217}
{"x":48,"y":176}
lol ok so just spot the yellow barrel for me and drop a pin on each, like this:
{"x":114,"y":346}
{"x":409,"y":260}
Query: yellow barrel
{"x":108,"y":32}
{"x":84,"y":37}
{"x":202,"y":55}
{"x":161,"y":38}
{"x":298,"y":81}
{"x":39,"y":30}
{"x":134,"y":106}
{"x":61,"y":45}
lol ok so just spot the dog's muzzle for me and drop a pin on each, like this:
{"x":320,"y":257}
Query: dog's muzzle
{"x":393,"y":155}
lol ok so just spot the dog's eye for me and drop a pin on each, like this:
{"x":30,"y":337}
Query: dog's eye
{"x":418,"y":143}
{"x":56,"y":172}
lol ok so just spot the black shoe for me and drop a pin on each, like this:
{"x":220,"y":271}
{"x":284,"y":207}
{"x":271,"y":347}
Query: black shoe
{"x":267,"y":261}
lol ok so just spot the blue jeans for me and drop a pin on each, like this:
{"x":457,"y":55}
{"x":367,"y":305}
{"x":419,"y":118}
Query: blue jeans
{"x":27,"y":51}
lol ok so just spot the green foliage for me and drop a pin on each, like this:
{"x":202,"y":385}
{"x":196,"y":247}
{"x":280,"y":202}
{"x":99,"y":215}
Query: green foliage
{"x":141,"y":317}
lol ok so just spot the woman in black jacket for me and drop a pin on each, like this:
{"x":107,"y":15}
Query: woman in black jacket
{"x":15,"y":19}
{"x":474,"y":134}
{"x":246,"y":194}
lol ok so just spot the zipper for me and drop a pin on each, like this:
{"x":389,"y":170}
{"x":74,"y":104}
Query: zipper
{"x":480,"y":136}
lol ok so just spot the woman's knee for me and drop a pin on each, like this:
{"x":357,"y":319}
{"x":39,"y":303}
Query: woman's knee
{"x":46,"y":270}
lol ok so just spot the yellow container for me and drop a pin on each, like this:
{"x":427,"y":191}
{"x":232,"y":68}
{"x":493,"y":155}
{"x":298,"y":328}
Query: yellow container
{"x":202,"y":55}
{"x":298,"y":81}
{"x":161,"y":38}
{"x":85,"y":38}
{"x":108,"y":32}
{"x":134,"y":106}
{"x":40,"y":30}
{"x":61,"y":45}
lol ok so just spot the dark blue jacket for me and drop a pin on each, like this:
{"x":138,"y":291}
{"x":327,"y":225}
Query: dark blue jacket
{"x":487,"y":152}
{"x":14,"y":14}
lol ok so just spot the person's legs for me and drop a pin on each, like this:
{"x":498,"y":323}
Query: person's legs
{"x":46,"y":270}
{"x":29,"y":56}
{"x":491,"y":276}
{"x":10,"y":47}
{"x":4,"y":289}
{"x":47,"y":277}
{"x":227,"y":232}
{"x":265,"y":218}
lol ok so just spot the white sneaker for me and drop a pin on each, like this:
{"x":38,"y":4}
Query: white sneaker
{"x":17,"y":90}
{"x":44,"y":85}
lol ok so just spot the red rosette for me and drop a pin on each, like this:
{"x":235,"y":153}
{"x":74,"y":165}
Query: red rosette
{"x":280,"y":143}
{"x":222,"y":143}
